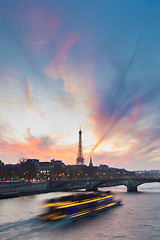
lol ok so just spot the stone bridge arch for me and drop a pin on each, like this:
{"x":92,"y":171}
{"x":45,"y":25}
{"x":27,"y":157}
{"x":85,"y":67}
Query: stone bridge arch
{"x":131,"y":184}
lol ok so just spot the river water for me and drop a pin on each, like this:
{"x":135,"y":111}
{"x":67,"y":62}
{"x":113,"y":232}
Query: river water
{"x":137,"y":219}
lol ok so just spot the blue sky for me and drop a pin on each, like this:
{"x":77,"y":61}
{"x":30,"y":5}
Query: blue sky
{"x":89,"y":63}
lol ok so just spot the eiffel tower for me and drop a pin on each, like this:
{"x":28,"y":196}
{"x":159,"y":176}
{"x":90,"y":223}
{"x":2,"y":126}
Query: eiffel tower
{"x":80,"y":159}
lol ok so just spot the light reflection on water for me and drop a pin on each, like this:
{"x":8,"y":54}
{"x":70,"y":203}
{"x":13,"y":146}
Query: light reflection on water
{"x":137,"y":219}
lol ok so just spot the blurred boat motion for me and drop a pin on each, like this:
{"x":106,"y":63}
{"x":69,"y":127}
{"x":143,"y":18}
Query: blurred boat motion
{"x":79,"y":205}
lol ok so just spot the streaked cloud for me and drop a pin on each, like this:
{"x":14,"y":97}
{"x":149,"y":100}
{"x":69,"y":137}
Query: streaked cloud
{"x":29,"y":93}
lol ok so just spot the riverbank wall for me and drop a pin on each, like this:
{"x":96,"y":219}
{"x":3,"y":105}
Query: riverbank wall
{"x":16,"y":189}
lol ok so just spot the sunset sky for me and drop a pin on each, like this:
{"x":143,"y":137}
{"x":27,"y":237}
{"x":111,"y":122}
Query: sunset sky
{"x":89,"y":63}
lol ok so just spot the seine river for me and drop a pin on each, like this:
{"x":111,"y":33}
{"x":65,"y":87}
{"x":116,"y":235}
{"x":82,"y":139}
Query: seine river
{"x":137,"y":219}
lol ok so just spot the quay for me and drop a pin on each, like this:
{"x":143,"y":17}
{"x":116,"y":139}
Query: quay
{"x":17,"y":189}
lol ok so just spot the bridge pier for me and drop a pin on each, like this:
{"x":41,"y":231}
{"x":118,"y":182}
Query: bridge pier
{"x":132,"y":189}
{"x":91,"y":189}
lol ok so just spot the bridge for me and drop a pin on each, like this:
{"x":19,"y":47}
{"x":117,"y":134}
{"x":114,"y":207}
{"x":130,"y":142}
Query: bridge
{"x":93,"y":185}
{"x":15,"y":189}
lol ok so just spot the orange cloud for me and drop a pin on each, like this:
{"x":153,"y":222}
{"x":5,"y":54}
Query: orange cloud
{"x":58,"y":67}
{"x":41,"y":148}
{"x":107,"y":126}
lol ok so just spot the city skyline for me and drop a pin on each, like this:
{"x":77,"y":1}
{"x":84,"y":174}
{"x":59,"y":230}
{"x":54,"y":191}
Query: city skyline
{"x":93,"y":64}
